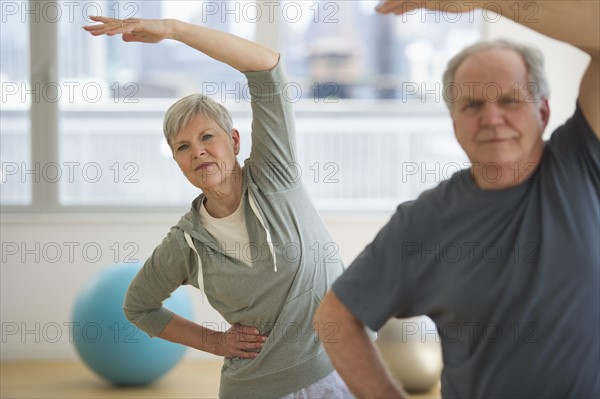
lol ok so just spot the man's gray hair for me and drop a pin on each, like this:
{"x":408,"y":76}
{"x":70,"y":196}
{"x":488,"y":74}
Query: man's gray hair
{"x":533,"y":58}
{"x":180,"y":114}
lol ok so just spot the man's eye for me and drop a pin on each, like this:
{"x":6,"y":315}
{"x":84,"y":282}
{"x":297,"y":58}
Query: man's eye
{"x":510,"y":100}
{"x":472,"y":105}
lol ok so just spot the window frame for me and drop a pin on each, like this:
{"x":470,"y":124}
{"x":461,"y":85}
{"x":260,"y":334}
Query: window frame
{"x":45,"y":127}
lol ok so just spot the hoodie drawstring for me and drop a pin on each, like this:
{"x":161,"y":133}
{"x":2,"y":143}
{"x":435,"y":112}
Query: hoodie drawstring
{"x":188,"y":238}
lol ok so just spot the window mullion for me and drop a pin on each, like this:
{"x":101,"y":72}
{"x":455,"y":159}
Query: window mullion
{"x":44,"y":113}
{"x":267,"y":29}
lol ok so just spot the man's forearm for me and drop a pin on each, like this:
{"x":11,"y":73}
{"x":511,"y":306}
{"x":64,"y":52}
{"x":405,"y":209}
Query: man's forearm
{"x":352,"y":352}
{"x":570,"y":21}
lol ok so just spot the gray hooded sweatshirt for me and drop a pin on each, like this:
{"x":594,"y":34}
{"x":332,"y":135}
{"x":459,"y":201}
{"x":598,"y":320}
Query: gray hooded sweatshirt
{"x":294,"y":261}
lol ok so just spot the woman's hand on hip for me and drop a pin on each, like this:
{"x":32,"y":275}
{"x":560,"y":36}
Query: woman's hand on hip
{"x":241,"y":341}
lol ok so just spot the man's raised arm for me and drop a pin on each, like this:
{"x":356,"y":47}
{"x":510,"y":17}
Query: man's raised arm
{"x":576,"y":22}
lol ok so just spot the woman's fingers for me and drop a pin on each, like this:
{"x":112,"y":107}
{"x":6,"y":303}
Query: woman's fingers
{"x":110,"y":26}
{"x":132,"y":29}
{"x":248,"y":334}
{"x":250,"y":344}
{"x":244,"y":349}
{"x":245,"y":342}
{"x":100,"y":18}
{"x":243,"y":354}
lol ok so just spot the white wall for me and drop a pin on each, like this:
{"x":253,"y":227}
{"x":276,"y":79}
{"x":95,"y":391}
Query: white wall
{"x":46,"y":259}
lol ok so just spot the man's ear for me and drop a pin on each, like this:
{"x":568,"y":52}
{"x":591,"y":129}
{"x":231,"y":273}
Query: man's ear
{"x":544,"y":111}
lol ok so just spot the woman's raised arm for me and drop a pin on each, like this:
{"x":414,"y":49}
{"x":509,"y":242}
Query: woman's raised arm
{"x":243,"y":55}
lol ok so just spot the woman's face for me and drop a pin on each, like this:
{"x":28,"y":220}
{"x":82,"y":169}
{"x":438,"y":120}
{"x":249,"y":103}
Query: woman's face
{"x":206,"y":154}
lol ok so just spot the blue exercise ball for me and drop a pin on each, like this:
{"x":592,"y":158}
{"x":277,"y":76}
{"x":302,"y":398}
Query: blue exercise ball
{"x":109,"y":344}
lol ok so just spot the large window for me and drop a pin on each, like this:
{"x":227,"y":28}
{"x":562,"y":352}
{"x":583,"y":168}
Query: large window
{"x":371,"y":126}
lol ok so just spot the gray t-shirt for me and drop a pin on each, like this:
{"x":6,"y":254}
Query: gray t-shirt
{"x":510,"y":277}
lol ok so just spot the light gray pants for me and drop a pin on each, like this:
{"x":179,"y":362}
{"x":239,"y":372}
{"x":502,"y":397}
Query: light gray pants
{"x":330,"y":387}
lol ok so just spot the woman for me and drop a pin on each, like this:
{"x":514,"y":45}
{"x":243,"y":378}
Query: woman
{"x":252,"y":241}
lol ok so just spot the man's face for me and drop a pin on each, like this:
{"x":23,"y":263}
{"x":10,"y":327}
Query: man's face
{"x":497,"y":120}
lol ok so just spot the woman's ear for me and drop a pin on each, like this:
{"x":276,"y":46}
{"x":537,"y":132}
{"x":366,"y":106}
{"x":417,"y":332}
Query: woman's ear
{"x":235,"y":136}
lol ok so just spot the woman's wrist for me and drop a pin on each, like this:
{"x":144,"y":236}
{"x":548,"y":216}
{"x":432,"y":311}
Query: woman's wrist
{"x":212,"y":342}
{"x":173,"y":29}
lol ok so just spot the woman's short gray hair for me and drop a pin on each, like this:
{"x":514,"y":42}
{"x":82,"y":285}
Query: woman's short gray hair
{"x":183,"y":111}
{"x":533,"y":58}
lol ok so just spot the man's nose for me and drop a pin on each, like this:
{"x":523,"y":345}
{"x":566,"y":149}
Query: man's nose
{"x":492,"y":114}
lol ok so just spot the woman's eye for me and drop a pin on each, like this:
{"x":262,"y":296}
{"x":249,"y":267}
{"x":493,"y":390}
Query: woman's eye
{"x":182,"y":147}
{"x":207,"y":137}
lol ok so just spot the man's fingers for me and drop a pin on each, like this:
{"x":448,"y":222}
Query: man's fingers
{"x":387,"y":6}
{"x":398,"y":6}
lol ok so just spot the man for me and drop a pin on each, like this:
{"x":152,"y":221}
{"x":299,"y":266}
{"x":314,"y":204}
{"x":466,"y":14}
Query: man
{"x":504,"y":256}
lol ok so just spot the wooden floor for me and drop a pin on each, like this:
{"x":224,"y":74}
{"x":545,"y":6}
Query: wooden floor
{"x":72,"y":379}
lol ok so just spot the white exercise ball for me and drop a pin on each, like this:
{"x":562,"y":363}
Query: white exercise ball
{"x":412,"y":351}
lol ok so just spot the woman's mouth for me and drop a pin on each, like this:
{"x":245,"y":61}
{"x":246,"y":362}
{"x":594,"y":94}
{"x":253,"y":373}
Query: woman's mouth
{"x":205,"y":166}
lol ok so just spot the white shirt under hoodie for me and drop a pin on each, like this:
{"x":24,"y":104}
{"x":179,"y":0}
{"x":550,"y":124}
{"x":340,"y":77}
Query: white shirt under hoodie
{"x":294,"y":261}
{"x":230,"y":232}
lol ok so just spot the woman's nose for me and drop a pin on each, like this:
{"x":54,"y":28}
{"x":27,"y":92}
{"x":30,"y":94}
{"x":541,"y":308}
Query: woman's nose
{"x":198,"y":150}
